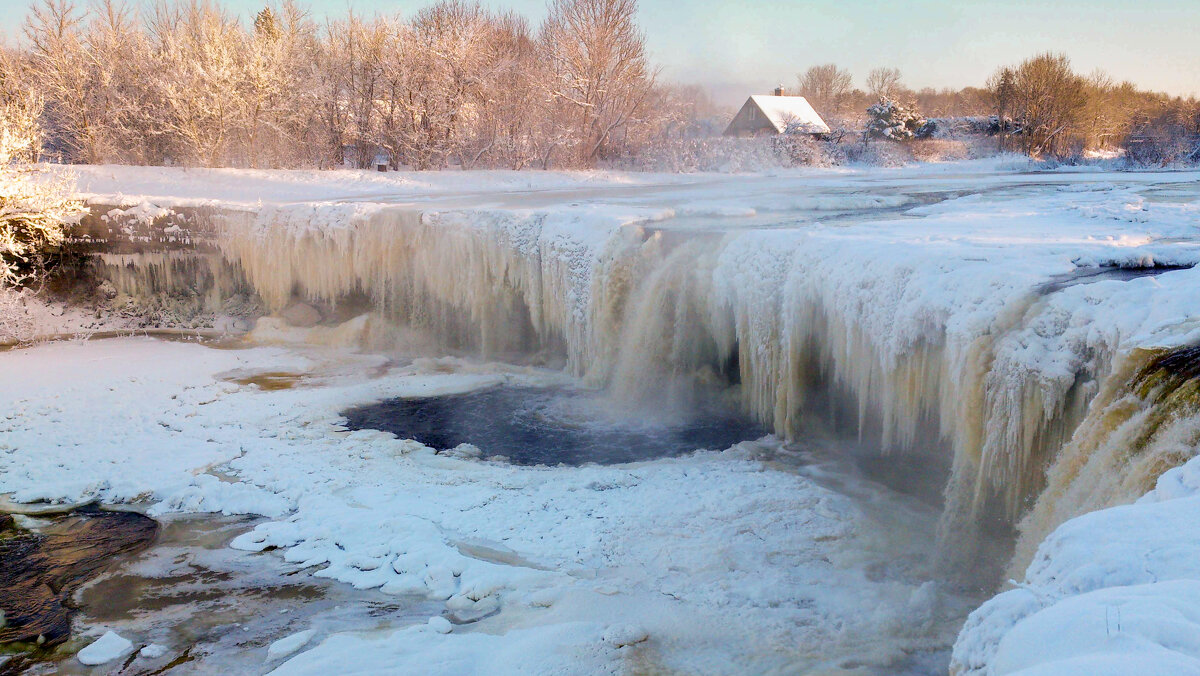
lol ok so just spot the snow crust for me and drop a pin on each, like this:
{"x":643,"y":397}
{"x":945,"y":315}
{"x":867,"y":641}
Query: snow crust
{"x":289,"y":644}
{"x":152,"y":651}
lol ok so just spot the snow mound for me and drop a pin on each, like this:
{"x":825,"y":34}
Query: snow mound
{"x":1107,"y":591}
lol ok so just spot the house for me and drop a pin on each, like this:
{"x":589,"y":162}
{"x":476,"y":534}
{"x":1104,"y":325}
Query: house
{"x":778,"y":114}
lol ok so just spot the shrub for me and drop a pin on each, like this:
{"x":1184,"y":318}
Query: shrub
{"x":890,"y":120}
{"x":735,"y":155}
{"x":1170,"y":136}
{"x":940,"y":150}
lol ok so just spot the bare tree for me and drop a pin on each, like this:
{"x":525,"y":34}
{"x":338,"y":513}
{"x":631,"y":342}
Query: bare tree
{"x":826,"y":87}
{"x":1047,"y":101}
{"x":600,"y":78}
{"x":885,"y":83}
{"x":57,"y":55}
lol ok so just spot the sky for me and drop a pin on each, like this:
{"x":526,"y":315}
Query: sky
{"x":737,"y":48}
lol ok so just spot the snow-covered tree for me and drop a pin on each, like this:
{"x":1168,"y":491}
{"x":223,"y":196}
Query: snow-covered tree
{"x":188,"y":82}
{"x":35,"y":210}
{"x":601,"y":81}
{"x":890,"y":120}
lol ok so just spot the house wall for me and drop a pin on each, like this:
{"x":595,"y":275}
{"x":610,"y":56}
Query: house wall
{"x":749,"y":121}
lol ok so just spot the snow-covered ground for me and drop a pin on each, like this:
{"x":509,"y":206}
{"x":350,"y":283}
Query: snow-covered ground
{"x":975,"y":309}
{"x":702,"y":564}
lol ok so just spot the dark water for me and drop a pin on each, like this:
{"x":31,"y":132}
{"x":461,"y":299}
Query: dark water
{"x":215,"y":609}
{"x":40,"y":570}
{"x":551,"y":426}
{"x":1087,"y":275}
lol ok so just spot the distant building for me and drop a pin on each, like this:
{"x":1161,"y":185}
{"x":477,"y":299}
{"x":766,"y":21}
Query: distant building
{"x":778,"y":114}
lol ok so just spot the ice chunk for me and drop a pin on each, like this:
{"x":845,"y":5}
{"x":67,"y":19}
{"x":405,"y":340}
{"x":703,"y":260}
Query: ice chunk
{"x":624,"y":634}
{"x":153,"y":651}
{"x":105,"y":649}
{"x":289,"y":644}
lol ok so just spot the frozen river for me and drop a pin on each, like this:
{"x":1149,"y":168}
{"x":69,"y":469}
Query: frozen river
{"x":898,"y":383}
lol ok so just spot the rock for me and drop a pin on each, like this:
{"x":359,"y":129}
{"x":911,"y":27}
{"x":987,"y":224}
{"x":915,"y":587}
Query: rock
{"x":301,"y":315}
{"x":621,"y":635}
{"x":463,"y":451}
{"x":464,"y":609}
{"x":105,"y":649}
{"x":106,"y":290}
{"x":40,"y":571}
{"x":6,"y":522}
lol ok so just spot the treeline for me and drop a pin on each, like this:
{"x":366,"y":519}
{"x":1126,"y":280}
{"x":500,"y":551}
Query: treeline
{"x":1039,"y":107}
{"x":832,"y":92}
{"x":1045,"y":108}
{"x":186,"y":82}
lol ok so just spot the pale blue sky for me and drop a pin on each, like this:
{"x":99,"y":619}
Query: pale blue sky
{"x":739,"y":47}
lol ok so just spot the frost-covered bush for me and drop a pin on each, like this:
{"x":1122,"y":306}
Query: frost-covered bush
{"x":890,"y":120}
{"x":1172,"y":136}
{"x":35,"y":208}
{"x":735,"y":155}
{"x":940,"y":150}
{"x":877,"y":154}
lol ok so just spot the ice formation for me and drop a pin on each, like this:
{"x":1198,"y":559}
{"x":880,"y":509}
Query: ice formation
{"x":1032,"y":331}
{"x":944,"y":331}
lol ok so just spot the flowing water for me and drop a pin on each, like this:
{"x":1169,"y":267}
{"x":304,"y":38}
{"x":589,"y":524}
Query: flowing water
{"x":214,"y":609}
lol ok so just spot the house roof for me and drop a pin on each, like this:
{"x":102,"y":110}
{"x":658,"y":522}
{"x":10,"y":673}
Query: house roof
{"x":791,"y":113}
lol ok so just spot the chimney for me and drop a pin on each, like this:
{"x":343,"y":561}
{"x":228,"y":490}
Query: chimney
{"x":779,"y":91}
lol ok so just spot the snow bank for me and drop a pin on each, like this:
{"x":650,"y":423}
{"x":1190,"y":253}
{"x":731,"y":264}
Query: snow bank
{"x":289,"y":644}
{"x":573,"y":648}
{"x":248,"y":188}
{"x":1113,"y":591}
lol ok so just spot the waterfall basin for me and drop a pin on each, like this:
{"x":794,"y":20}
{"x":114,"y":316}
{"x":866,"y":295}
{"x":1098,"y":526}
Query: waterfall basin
{"x":552,"y":425}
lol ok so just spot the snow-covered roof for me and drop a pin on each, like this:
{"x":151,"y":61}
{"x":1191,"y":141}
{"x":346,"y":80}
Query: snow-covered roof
{"x":791,"y":113}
